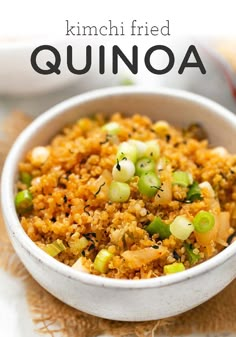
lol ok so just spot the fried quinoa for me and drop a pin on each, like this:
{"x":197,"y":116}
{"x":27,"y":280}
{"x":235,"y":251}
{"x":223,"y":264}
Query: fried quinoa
{"x":73,"y":217}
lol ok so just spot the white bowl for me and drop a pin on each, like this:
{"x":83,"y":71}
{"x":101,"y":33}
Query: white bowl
{"x":125,"y":300}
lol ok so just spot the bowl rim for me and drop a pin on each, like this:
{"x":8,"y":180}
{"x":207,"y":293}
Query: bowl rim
{"x":7,"y":185}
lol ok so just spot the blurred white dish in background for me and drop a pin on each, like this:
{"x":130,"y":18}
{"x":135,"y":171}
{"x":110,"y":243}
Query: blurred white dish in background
{"x":16,"y":73}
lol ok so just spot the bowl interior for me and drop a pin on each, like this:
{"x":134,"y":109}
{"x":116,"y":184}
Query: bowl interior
{"x":178,"y":108}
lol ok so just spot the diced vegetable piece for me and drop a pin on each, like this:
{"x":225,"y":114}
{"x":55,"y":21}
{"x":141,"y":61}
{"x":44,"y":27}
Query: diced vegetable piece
{"x":162,"y":163}
{"x":123,"y":170}
{"x":192,"y":257}
{"x":181,"y":227}
{"x":220,"y":151}
{"x":100,"y":186}
{"x":112,"y":128}
{"x":164,"y":195}
{"x":128,"y":151}
{"x":157,"y":226}
{"x":148,"y":184}
{"x":173,"y":268}
{"x":118,"y":192}
{"x":161,"y":127}
{"x":194,"y":192}
{"x":136,"y":258}
{"x":78,"y":245}
{"x":140,"y":146}
{"x":102,"y":260}
{"x":78,"y":265}
{"x":39,"y":155}
{"x":203,"y":222}
{"x":54,"y":248}
{"x":25,"y":178}
{"x":182,"y":178}
{"x":144,"y":165}
{"x":153,"y":149}
{"x":205,"y":185}
{"x":206,"y":239}
{"x":23,"y":201}
{"x":224,"y":228}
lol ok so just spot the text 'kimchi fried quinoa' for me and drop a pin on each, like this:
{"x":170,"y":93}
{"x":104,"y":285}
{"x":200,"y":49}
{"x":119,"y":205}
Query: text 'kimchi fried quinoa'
{"x":127,"y":197}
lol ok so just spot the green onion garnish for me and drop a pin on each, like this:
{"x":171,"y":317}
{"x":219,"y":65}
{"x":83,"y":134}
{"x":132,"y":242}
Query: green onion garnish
{"x":23,"y":201}
{"x":144,"y":165}
{"x":182,"y":178}
{"x":153,"y":149}
{"x":128,"y":151}
{"x":25,"y":178}
{"x":203,"y":222}
{"x":54,"y":248}
{"x":157,"y":226}
{"x":194,"y":192}
{"x":127,"y":81}
{"x":102,"y":260}
{"x":141,"y":147}
{"x":112,"y":128}
{"x":148,"y":184}
{"x":123,"y":170}
{"x":192,"y":257}
{"x":181,"y":227}
{"x":173,"y":268}
{"x":118,"y":192}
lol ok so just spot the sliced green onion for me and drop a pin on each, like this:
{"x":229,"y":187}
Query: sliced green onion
{"x":182,"y":178}
{"x":112,"y":128}
{"x":148,"y":184}
{"x":153,"y":149}
{"x":173,"y":268}
{"x":123,"y":170}
{"x":127,"y":81}
{"x":118,"y":192}
{"x":144,"y":165}
{"x":54,"y":248}
{"x":192,"y":257}
{"x":128,"y":151}
{"x":203,"y":222}
{"x":181,"y":227}
{"x":23,"y":201}
{"x":140,"y":146}
{"x":102,"y":260}
{"x":26,"y":178}
{"x":194,"y":192}
{"x":157,"y":226}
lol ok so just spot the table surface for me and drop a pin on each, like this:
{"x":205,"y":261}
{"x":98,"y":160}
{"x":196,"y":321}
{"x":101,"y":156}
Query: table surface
{"x":15,"y":319}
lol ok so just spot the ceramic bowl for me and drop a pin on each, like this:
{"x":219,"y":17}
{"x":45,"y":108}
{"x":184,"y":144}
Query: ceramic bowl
{"x":125,"y":300}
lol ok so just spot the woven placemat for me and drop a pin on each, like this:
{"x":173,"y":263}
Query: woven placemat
{"x":54,"y":318}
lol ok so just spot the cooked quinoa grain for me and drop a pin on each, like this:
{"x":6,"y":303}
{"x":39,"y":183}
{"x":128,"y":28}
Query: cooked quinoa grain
{"x":127,"y":203}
